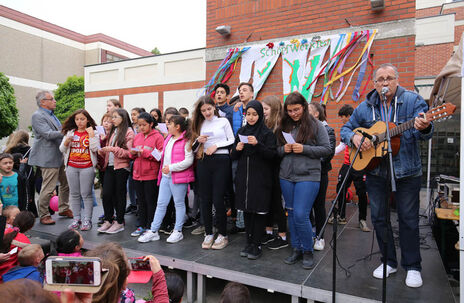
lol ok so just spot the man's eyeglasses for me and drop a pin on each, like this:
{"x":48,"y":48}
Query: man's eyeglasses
{"x":49,"y":99}
{"x":383,"y":80}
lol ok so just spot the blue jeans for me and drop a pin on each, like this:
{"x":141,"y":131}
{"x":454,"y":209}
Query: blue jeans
{"x":166,"y":190}
{"x":299,"y":199}
{"x":407,"y":204}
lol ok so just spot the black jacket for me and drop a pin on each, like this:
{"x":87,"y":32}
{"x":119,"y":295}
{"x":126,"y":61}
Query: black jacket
{"x":253,"y":181}
{"x":326,"y":166}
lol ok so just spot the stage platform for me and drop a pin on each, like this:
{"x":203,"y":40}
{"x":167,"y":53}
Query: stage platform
{"x":270,"y":273}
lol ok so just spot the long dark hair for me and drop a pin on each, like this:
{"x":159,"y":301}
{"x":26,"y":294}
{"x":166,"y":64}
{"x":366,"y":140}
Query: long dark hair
{"x":306,"y":124}
{"x":184,"y":124}
{"x":122,"y":128}
{"x":160,"y":116}
{"x":70,"y":123}
{"x":197,"y":117}
{"x":175,"y":286}
{"x":23,"y":222}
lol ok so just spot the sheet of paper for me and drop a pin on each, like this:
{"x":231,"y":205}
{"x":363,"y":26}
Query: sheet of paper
{"x":156,"y":154}
{"x":162,"y":127}
{"x":209,"y":134}
{"x":101,"y":130}
{"x":221,"y":113}
{"x":288,"y":137}
{"x":243,"y":138}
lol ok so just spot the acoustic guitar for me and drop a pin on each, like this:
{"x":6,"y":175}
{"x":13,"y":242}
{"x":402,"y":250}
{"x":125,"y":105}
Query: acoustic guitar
{"x":369,"y":159}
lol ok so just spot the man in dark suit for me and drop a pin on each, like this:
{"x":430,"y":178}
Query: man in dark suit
{"x":45,"y":154}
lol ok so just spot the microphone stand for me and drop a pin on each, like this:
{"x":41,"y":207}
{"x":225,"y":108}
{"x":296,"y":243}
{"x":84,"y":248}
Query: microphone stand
{"x":390,"y":184}
{"x":334,"y":210}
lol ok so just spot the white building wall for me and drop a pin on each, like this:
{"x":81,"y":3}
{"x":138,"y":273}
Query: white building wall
{"x":146,"y":100}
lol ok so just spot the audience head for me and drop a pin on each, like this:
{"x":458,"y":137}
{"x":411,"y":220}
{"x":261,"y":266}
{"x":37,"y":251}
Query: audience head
{"x":69,"y":241}
{"x":345,"y":113}
{"x":115,"y":260}
{"x":168,"y":112}
{"x":317,"y":111}
{"x":30,"y":255}
{"x":20,"y":137}
{"x":175,"y":286}
{"x":23,"y":222}
{"x":184,"y":112}
{"x":272,"y":111}
{"x":112,"y":104}
{"x":156,"y":114}
{"x":45,"y":99}
{"x":235,"y":293}
{"x":245,"y":92}
{"x":78,"y":118}
{"x":10,"y":212}
{"x":26,"y":291}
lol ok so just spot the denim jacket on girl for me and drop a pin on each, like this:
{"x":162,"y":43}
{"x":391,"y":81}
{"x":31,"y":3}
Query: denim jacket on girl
{"x":405,"y":106}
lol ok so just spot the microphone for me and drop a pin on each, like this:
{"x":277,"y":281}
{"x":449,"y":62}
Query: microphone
{"x":373,"y":138}
{"x":385,"y":90}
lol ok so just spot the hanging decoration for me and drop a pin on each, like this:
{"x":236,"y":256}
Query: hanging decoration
{"x":303,"y":65}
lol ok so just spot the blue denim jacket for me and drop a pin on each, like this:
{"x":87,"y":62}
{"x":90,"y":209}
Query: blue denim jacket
{"x":406,"y":105}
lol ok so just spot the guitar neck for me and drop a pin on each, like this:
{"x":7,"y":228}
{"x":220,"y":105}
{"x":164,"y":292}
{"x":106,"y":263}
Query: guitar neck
{"x":401,"y":128}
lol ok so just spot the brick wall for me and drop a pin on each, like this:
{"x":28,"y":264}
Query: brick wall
{"x":430,"y":59}
{"x":428,"y":12}
{"x":459,"y":11}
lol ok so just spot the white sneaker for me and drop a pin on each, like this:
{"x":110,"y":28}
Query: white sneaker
{"x":413,"y":278}
{"x":149,"y":236}
{"x":378,"y":272}
{"x":115,"y":228}
{"x":319,"y":244}
{"x":106,"y":225}
{"x":207,"y":242}
{"x":175,"y":237}
{"x":221,"y":242}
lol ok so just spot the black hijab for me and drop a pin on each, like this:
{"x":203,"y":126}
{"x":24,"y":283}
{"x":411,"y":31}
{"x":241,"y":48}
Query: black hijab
{"x":259,"y":128}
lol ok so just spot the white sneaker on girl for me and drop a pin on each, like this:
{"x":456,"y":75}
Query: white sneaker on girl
{"x":207,"y":242}
{"x":149,"y":236}
{"x":175,"y":237}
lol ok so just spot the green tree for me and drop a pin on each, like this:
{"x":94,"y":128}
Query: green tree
{"x":8,"y":110}
{"x":69,"y":97}
{"x":156,"y":51}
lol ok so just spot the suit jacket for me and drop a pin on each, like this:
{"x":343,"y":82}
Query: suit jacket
{"x":47,"y":139}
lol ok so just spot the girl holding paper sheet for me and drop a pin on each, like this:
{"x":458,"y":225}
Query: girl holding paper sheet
{"x":300,"y":173}
{"x":213,"y":136}
{"x":253,"y":182}
{"x":79,"y":147}
{"x":145,"y":170}
{"x":117,"y":158}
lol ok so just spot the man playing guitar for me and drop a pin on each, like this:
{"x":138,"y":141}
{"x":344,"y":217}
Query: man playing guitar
{"x":402,"y":105}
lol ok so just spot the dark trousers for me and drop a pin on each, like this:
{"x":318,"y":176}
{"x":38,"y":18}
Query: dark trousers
{"x":407,"y":195}
{"x":214,"y":173}
{"x":319,"y":203}
{"x":357,"y":177}
{"x":255,"y":224}
{"x":276,"y":213}
{"x":114,"y":193}
{"x":147,"y":195}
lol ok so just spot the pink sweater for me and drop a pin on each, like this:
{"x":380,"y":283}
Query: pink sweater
{"x":146,"y":167}
{"x":121,"y":155}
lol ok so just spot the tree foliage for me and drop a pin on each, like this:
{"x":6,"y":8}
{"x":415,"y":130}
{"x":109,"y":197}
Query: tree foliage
{"x":69,"y":97}
{"x":156,"y":51}
{"x":8,"y":109}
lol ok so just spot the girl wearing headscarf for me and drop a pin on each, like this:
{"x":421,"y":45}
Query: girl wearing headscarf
{"x":253,"y":181}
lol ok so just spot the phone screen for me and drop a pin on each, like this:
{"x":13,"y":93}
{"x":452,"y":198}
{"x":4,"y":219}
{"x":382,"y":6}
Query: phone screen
{"x":139,"y":264}
{"x":73,"y":272}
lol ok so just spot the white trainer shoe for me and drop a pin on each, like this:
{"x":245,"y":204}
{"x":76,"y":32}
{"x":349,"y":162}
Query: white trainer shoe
{"x":413,"y":278}
{"x":207,"y":242}
{"x":149,"y":236}
{"x":175,"y":237}
{"x":378,"y":272}
{"x":319,"y":244}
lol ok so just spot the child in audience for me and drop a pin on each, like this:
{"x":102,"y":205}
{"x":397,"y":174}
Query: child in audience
{"x":145,"y":170}
{"x":173,"y":179}
{"x":235,"y":292}
{"x":175,"y":286}
{"x":12,"y":187}
{"x":69,"y":243}
{"x":28,"y":258}
{"x":10,"y":212}
{"x":15,"y":238}
{"x":79,"y":147}
{"x":253,"y":180}
{"x":117,"y":157}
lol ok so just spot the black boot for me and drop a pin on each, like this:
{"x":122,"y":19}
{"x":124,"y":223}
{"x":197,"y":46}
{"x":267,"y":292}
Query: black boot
{"x":294,"y":257}
{"x":244,"y":252}
{"x":308,"y":260}
{"x":255,"y":252}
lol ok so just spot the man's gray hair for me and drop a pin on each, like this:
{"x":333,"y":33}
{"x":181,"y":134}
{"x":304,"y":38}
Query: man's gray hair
{"x":41,"y":95}
{"x":385,"y":65}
